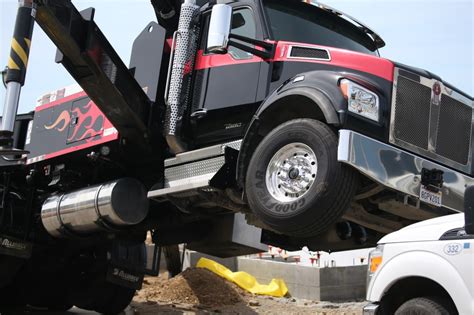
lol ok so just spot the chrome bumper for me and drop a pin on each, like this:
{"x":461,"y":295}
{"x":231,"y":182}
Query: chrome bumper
{"x":370,"y":309}
{"x":398,"y":169}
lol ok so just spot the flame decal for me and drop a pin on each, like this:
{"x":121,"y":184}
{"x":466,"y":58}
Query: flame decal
{"x":64,"y":118}
{"x":90,"y":122}
{"x":85,"y":122}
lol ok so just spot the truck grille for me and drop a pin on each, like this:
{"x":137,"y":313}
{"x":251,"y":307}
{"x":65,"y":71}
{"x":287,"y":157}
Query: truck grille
{"x":454,"y":130}
{"x":412,"y":113}
{"x":438,"y":128}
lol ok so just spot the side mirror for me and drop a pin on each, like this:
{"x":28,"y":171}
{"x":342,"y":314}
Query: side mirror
{"x":219,"y":29}
{"x":469,"y":210}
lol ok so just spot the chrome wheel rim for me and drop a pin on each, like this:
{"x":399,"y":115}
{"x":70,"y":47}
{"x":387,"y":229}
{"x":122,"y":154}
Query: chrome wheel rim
{"x":291,"y":172}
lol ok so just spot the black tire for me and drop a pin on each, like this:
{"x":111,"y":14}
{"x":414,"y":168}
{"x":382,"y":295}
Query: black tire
{"x":105,"y":298}
{"x":425,"y":306}
{"x":10,"y":288}
{"x":114,"y":299}
{"x":325,"y":200}
{"x":173,"y":259}
{"x":93,"y":291}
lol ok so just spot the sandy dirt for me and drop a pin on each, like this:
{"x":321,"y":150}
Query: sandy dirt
{"x":198,"y":291}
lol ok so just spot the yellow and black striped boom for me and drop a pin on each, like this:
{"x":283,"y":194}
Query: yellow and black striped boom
{"x":20,"y":45}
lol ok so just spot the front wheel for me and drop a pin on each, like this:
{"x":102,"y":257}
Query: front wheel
{"x":294,"y":183}
{"x":425,"y":306}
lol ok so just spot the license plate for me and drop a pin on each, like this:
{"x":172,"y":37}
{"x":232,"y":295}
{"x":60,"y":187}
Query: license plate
{"x":431,"y":197}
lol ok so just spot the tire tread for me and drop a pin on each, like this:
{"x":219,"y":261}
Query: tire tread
{"x":430,"y":304}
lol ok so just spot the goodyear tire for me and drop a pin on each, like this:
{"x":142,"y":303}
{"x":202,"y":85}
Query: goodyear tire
{"x":294,"y":183}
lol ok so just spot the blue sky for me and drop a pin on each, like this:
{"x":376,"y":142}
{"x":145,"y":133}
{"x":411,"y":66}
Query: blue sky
{"x":431,"y":34}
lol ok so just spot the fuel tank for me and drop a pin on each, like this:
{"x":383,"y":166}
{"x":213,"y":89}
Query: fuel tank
{"x":107,"y":206}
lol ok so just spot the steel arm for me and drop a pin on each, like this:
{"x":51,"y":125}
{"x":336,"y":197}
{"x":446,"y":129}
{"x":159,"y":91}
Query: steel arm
{"x":91,"y":60}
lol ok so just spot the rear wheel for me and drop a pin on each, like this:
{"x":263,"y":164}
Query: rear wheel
{"x":107,"y":298}
{"x":294,"y":183}
{"x":107,"y":286}
{"x":10,"y":294}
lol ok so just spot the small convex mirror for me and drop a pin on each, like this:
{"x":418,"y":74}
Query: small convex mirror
{"x":219,"y":29}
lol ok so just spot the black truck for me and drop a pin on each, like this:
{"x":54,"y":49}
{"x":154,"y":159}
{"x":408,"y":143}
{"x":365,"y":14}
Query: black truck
{"x":237,"y":124}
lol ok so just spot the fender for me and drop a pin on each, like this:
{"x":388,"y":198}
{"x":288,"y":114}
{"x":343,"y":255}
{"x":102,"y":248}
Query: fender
{"x":421,"y":264}
{"x":317,"y":96}
{"x":314,"y":94}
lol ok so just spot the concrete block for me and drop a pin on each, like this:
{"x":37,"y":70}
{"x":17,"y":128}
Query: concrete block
{"x":343,"y":283}
{"x":304,"y":292}
{"x":341,"y":293}
{"x":319,"y":284}
{"x":312,"y":283}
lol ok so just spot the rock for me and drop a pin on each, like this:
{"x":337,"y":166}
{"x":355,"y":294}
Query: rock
{"x":254,"y":303}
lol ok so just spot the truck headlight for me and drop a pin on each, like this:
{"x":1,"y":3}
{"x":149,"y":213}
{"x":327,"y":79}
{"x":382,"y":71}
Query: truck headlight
{"x":375,"y":260}
{"x":360,"y":100}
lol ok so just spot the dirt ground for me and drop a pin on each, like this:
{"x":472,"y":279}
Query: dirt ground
{"x":198,"y":291}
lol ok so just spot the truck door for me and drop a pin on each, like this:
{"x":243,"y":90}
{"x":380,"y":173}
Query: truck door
{"x":226,"y":85}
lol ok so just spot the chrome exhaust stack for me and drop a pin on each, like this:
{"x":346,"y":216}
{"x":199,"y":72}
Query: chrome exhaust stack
{"x":107,"y":206}
{"x":178,"y":84}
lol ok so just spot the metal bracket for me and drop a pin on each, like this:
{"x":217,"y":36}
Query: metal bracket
{"x":226,"y":175}
{"x":432,"y":179}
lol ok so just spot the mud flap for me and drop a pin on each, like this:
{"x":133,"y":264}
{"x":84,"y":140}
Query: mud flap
{"x":226,"y":176}
{"x":127,"y":264}
{"x":11,"y":246}
{"x":125,"y":277}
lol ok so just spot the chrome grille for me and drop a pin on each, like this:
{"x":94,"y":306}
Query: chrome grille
{"x":436,"y":126}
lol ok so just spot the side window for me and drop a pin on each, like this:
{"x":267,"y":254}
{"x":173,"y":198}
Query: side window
{"x":243,"y":23}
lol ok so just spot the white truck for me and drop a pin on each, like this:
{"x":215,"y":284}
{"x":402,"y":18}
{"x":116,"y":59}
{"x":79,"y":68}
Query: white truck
{"x":425,"y":268}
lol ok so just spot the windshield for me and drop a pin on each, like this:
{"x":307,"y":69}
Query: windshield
{"x":302,"y":22}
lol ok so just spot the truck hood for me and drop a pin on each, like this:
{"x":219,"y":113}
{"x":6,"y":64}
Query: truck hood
{"x":428,"y":230}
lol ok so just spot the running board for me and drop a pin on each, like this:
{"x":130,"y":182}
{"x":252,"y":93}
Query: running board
{"x":192,"y":170}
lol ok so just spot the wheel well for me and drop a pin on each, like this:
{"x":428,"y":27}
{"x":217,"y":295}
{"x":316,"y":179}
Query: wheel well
{"x":279,"y":112}
{"x":412,"y":287}
{"x":285,"y":109}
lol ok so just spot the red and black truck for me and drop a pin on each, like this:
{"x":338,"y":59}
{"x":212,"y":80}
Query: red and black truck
{"x":236,"y":124}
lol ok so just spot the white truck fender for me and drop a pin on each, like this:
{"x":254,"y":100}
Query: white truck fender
{"x":421,"y":264}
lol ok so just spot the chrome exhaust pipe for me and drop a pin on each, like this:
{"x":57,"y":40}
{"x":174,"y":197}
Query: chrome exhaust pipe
{"x":177,"y":87}
{"x":107,"y":206}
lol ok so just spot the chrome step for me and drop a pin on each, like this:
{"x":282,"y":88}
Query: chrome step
{"x":191,"y":170}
